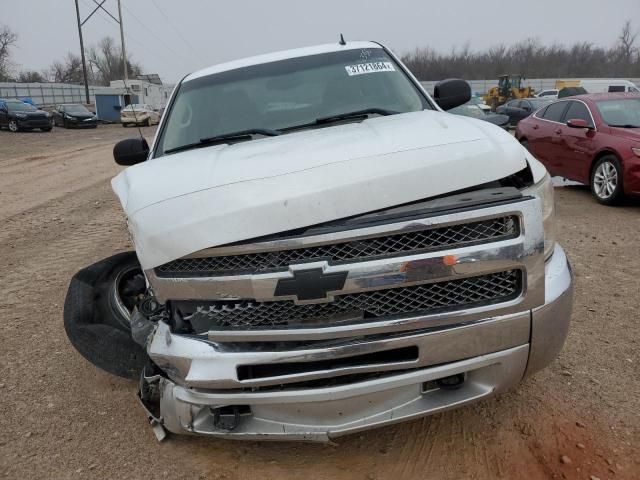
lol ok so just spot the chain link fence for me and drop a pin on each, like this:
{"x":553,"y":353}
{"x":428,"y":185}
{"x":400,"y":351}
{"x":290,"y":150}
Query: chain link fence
{"x":47,"y":94}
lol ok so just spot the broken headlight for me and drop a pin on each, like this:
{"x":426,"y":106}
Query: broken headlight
{"x":544,"y":190}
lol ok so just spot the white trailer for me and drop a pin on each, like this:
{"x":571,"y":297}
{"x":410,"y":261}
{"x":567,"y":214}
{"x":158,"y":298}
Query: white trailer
{"x":152,"y":94}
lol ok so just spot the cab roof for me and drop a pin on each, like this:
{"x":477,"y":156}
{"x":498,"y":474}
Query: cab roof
{"x":282,"y":55}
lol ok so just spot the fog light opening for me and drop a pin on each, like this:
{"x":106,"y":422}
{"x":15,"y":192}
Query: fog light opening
{"x":452,"y":382}
{"x":227,"y":418}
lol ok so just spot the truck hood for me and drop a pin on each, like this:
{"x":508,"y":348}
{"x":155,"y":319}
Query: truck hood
{"x":185,"y":202}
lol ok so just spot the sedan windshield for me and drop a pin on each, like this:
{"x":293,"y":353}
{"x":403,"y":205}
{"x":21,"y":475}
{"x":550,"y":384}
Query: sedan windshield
{"x":539,"y":102}
{"x":289,"y":94}
{"x":623,"y":113}
{"x":136,"y":107}
{"x":76,"y":109}
{"x":469,"y":110}
{"x":20,"y":107}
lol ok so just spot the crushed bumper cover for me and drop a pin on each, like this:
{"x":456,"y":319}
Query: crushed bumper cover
{"x":200,"y":392}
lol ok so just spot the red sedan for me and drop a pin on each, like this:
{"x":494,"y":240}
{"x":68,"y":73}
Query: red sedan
{"x":592,"y":139}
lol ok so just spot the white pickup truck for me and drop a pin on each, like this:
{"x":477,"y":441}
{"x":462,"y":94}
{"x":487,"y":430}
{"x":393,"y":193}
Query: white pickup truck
{"x":320,"y":249}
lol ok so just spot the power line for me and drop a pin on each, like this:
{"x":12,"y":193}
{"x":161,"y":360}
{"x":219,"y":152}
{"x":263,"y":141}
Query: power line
{"x":186,"y":42}
{"x":168,"y":47}
{"x":129,"y":37}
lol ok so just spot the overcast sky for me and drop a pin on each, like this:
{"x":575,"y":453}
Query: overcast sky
{"x":175,"y":37}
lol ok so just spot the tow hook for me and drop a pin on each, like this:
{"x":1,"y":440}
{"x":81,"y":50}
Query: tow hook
{"x":158,"y":429}
{"x":226,"y":418}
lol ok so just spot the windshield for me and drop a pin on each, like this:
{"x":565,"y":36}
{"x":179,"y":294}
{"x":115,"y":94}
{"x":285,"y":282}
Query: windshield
{"x":539,"y":102}
{"x":76,"y":109}
{"x":288,"y":93}
{"x":621,"y":112}
{"x":20,"y":107}
{"x":469,"y":110}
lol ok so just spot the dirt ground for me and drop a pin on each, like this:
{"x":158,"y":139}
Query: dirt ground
{"x":63,"y":418}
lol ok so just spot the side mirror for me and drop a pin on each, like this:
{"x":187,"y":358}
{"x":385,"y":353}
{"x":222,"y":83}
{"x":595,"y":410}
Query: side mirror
{"x":526,"y":109}
{"x":451,"y":93}
{"x":131,"y":151}
{"x":577,"y":123}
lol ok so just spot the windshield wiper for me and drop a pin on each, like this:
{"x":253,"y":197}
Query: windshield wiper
{"x":626,"y":125}
{"x":364,"y":113}
{"x":356,"y":114}
{"x":225,"y":138}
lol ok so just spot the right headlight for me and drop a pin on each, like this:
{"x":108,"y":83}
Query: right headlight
{"x":544,"y":190}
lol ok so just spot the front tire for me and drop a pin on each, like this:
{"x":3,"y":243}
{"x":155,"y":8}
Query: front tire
{"x":13,"y":126}
{"x":606,"y":180}
{"x":96,"y":309}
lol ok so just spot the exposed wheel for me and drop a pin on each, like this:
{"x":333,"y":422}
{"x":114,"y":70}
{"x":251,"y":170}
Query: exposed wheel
{"x":606,"y":180}
{"x":147,"y":123}
{"x":13,"y":126}
{"x":124,"y":125}
{"x":46,"y":129}
{"x":96,"y":314}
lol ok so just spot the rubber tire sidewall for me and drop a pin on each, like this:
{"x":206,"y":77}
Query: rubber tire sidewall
{"x":15,"y":123}
{"x":618,"y":193}
{"x":90,"y":323}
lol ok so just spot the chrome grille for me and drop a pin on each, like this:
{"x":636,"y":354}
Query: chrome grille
{"x":353,"y":308}
{"x":414,"y":241}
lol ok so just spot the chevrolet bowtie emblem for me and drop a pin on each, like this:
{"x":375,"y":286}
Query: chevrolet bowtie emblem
{"x":312,"y":284}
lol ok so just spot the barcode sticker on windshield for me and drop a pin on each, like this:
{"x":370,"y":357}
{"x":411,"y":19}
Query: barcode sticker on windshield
{"x":372,"y":67}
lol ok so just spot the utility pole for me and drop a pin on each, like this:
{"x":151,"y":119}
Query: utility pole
{"x":84,"y":63}
{"x":124,"y":54}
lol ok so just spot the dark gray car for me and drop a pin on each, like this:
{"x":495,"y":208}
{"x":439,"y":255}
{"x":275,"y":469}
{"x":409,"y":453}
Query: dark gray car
{"x":518,"y":109}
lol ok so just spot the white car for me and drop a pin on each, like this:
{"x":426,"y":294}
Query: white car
{"x":320,"y":249}
{"x":550,"y":93}
{"x":139,"y":114}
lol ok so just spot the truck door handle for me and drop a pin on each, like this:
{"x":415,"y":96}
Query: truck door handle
{"x":558,"y":131}
{"x":535,"y":127}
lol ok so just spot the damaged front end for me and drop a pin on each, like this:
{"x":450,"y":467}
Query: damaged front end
{"x":355,"y":323}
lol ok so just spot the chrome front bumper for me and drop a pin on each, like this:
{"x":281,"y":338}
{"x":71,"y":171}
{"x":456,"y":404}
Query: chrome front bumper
{"x":493,"y":354}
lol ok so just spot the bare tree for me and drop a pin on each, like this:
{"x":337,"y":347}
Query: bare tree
{"x":31,"y":76}
{"x":532,"y":59}
{"x":7,"y":40}
{"x":627,"y":42}
{"x":106,"y":57}
{"x":69,"y":70}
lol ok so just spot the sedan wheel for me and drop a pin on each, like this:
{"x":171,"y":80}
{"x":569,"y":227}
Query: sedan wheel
{"x":13,"y":125}
{"x":606,"y":180}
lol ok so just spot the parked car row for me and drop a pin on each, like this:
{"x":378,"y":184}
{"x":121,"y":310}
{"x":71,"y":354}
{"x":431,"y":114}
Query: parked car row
{"x":593,"y":139}
{"x":16,"y":115}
